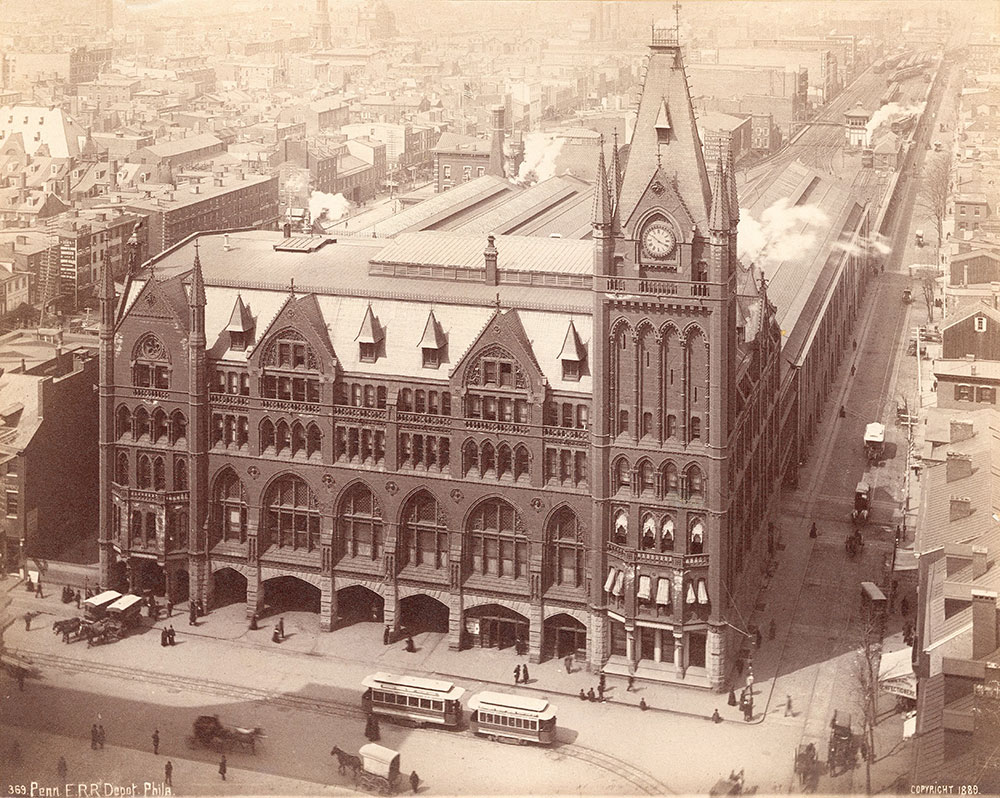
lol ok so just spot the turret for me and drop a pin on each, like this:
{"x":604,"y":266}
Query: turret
{"x":106,"y":421}
{"x":198,"y":426}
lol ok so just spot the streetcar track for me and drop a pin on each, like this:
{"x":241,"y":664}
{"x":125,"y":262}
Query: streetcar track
{"x":318,"y":706}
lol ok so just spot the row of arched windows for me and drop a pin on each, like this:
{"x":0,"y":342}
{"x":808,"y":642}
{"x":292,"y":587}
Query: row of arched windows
{"x":155,"y":427}
{"x":151,"y":472}
{"x":645,"y":480}
{"x":290,"y":440}
{"x":495,"y":541}
{"x":657,"y":533}
{"x":495,"y":462}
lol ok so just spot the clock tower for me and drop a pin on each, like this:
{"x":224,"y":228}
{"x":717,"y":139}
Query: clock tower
{"x":666,"y":285}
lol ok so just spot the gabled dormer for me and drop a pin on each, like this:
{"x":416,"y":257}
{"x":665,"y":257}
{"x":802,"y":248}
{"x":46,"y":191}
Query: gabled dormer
{"x":432,"y":343}
{"x":573,"y":355}
{"x":369,"y":337}
{"x":241,"y":327}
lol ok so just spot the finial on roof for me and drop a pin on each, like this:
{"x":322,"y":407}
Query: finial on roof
{"x":498,"y":300}
{"x":677,"y":21}
{"x":197,"y":279}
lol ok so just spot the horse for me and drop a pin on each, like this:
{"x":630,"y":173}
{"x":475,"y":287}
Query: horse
{"x":346,"y":761}
{"x":71,"y":625}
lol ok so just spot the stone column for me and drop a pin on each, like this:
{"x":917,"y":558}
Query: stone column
{"x":715,"y":655}
{"x":390,"y":599}
{"x":630,"y":645}
{"x":658,"y":645}
{"x":679,"y":654}
{"x":456,"y":616}
{"x":327,"y":603}
{"x":535,"y":633}
{"x":255,"y":592}
{"x":597,"y":640}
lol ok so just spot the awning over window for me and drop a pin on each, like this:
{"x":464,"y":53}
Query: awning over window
{"x":649,"y":526}
{"x":610,"y":581}
{"x":698,"y":532}
{"x":668,"y":528}
{"x":702,"y":592}
{"x":895,"y":673}
{"x":619,"y":583}
{"x":663,"y":590}
{"x":645,"y":587}
{"x":689,"y":593}
{"x":621,"y":521}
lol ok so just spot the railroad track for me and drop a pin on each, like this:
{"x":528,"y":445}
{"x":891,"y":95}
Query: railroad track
{"x":318,"y":706}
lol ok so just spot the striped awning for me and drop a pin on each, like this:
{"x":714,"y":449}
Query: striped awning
{"x":649,"y":526}
{"x":619,"y":583}
{"x":702,"y":592}
{"x":689,"y":596}
{"x":663,"y":590}
{"x":610,"y":581}
{"x":645,"y":587}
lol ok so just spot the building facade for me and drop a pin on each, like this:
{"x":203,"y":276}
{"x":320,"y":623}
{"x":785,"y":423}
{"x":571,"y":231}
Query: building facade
{"x":456,"y":446}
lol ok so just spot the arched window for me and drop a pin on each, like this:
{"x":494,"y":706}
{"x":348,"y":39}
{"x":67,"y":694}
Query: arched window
{"x":150,"y":529}
{"x":667,"y":534}
{"x":123,"y":422}
{"x":150,"y":366}
{"x":180,"y":473}
{"x":291,"y":516}
{"x":159,"y":425}
{"x":505,"y":464}
{"x":229,"y":509}
{"x":424,"y":533}
{"x":361,"y":523}
{"x":141,"y":423}
{"x":266,"y":435}
{"x":622,"y":475}
{"x":314,"y":441}
{"x":648,"y":538}
{"x":670,"y":480}
{"x":298,"y":439}
{"x":696,"y":540}
{"x":178,"y":427}
{"x":159,"y":474}
{"x":135,"y":528}
{"x":499,"y":547}
{"x":121,"y":469}
{"x":695,"y":481}
{"x":621,"y":528}
{"x":647,"y":478}
{"x":144,"y":472}
{"x":521,"y":462}
{"x":487,"y":459}
{"x":470,"y":458}
{"x":282,"y":436}
{"x":565,"y":547}
{"x":406,"y":400}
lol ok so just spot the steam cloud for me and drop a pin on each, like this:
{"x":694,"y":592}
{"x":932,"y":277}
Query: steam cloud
{"x":540,"y":153}
{"x":888,"y":113}
{"x":778,"y":235}
{"x":334,"y":205}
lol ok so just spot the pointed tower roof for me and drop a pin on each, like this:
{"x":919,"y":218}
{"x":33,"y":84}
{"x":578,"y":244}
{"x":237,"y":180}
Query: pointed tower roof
{"x":197,"y":281}
{"x":720,"y":219}
{"x":734,"y":200}
{"x":371,"y":330}
{"x":615,"y":173}
{"x":107,"y":277}
{"x":572,"y":348}
{"x":240,"y":320}
{"x":666,"y":120}
{"x":433,"y":337}
{"x":602,"y":199}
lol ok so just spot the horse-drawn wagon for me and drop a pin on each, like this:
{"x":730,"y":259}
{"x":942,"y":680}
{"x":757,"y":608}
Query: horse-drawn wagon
{"x":843,"y":751}
{"x":210,"y":733}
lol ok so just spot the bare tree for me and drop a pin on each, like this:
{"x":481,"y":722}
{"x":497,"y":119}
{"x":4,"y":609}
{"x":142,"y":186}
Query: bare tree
{"x":865,"y":673}
{"x":928,"y":285}
{"x":935,"y":183}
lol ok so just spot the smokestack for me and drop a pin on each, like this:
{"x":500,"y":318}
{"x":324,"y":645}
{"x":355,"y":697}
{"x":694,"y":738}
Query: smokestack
{"x":113,"y":174}
{"x":496,"y":141}
{"x":490,"y":254}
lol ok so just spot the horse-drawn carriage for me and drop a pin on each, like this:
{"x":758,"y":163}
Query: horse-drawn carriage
{"x":210,"y":733}
{"x":376,"y":769}
{"x":874,"y":441}
{"x":862,"y":502}
{"x":843,"y":748}
{"x":806,"y":763}
{"x":731,"y":786}
{"x":854,"y":544}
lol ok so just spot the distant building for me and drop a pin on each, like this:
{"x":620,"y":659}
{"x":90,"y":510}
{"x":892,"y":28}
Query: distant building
{"x":459,"y":159}
{"x":37,"y":127}
{"x":726,"y":134}
{"x":179,"y":152}
{"x":70,"y":66}
{"x":972,"y":211}
{"x":974,"y":332}
{"x":48,"y":410}
{"x":856,"y":121}
{"x":109,"y":89}
{"x":324,"y":114}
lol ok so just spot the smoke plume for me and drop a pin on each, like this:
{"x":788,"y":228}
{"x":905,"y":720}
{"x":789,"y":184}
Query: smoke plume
{"x":889,"y":113}
{"x":328,"y":206}
{"x":540,"y":153}
{"x":779,"y":235}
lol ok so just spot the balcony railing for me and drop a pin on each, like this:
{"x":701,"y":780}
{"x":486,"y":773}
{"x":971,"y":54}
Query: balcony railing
{"x":231,"y":399}
{"x":359,"y":413}
{"x":496,"y":426}
{"x":292,"y":406}
{"x":673,"y":559}
{"x":423,"y":420}
{"x":151,"y":393}
{"x":577,"y":435}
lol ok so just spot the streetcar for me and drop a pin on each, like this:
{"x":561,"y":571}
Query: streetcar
{"x":96,"y":607}
{"x":413,"y":700}
{"x":513,"y":718}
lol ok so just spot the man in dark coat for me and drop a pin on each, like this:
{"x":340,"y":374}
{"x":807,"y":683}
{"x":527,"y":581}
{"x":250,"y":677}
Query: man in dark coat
{"x":222,"y":767}
{"x":281,"y":627}
{"x":385,"y":636}
{"x":27,"y":621}
{"x":164,"y":637}
{"x":414,"y":781}
{"x":524,"y":674}
{"x":93,"y":737}
{"x":156,"y":741}
{"x":171,"y":634}
{"x":168,"y":772}
{"x":517,"y":674}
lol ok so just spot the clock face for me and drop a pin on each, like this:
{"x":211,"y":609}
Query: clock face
{"x":658,"y":240}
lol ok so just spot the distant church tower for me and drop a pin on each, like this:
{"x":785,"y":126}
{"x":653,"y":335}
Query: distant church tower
{"x":105,"y":15}
{"x":321,"y":35}
{"x":665,"y":327}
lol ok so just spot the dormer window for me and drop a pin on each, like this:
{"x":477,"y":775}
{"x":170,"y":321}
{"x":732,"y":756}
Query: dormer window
{"x":240,"y":327}
{"x":573,"y":355}
{"x":432,"y":343}
{"x":369,"y":337}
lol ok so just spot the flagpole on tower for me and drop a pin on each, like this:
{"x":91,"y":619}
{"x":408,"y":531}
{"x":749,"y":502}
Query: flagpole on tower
{"x":677,"y":21}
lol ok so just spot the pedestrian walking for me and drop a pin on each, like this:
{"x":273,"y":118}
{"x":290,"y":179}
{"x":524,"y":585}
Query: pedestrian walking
{"x":524,"y":674}
{"x":281,"y":627}
{"x":788,"y":706}
{"x":168,"y":772}
{"x":156,"y":741}
{"x":517,"y":674}
{"x":61,"y":769}
{"x":100,"y":736}
{"x":171,"y":634}
{"x":716,"y":717}
{"x":852,"y":369}
{"x":27,"y":621}
{"x":77,"y":597}
{"x":414,"y":782}
{"x":631,"y":683}
{"x":93,"y":737}
{"x":164,"y":637}
{"x":385,"y":636}
{"x":569,"y":663}
{"x":642,"y":704}
{"x":170,"y":608}
{"x":192,"y":615}
{"x":38,"y":588}
{"x":732,"y":697}
{"x":812,"y":530}
{"x":222,"y":767}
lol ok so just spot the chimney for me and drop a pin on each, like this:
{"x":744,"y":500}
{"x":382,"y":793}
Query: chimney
{"x":960,"y":431}
{"x":958,"y":466}
{"x":196,"y":188}
{"x":984,"y":622}
{"x":68,"y":188}
{"x":978,"y":561}
{"x":490,"y":254}
{"x":496,"y":141}
{"x":961,"y":507}
{"x":225,"y":242}
{"x":112,"y":174}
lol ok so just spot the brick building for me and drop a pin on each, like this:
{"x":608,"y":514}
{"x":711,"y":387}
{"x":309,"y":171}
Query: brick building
{"x":570,"y":443}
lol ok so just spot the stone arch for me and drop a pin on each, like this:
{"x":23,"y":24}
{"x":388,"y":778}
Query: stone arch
{"x":645,"y":473}
{"x":374,"y":585}
{"x":577,"y":614}
{"x":311,"y":577}
{"x":520,"y":607}
{"x":149,"y":346}
{"x":238,"y":566}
